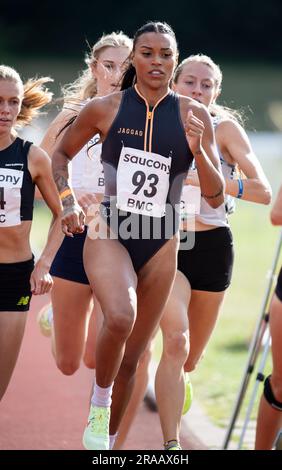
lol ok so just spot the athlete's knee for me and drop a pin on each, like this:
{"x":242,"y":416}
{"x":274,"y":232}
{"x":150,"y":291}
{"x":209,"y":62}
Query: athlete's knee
{"x":120,"y":320}
{"x":67,"y":366}
{"x":273,"y":392}
{"x":176,"y":345}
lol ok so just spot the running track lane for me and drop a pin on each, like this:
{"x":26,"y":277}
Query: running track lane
{"x":43,"y":409}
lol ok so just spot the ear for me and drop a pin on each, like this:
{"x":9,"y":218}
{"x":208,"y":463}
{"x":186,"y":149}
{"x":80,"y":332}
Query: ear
{"x":93,"y":69}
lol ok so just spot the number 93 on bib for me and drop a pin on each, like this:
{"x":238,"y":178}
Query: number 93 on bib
{"x":142,"y":182}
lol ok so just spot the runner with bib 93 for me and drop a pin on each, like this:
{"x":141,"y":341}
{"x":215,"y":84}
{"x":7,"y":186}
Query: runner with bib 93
{"x":131,"y":275}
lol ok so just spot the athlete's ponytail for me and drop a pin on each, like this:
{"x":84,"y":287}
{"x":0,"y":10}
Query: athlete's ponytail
{"x":128,"y":78}
{"x":35,"y":97}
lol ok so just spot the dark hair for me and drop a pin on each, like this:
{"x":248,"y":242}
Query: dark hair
{"x":129,"y":75}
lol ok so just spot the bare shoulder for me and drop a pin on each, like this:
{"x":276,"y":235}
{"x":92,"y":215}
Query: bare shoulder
{"x":230,"y":129}
{"x":39,"y":163}
{"x":104,"y":104}
{"x":37,"y":157}
{"x":228,"y":124}
{"x":101,"y":111}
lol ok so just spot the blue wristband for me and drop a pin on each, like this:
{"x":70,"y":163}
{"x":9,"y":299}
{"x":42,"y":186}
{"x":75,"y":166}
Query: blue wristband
{"x":240,"y":188}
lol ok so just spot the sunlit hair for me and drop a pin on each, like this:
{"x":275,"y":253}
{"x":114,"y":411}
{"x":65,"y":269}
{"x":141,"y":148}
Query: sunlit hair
{"x":86,"y":85}
{"x":34,"y":94}
{"x":215,"y":109}
{"x":129,"y":76}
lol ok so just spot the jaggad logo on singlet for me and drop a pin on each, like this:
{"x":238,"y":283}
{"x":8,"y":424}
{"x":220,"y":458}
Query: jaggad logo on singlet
{"x":11,"y":182}
{"x":142,"y":182}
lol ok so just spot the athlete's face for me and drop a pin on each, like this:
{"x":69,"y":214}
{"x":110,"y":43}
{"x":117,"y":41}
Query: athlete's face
{"x":108,"y":68}
{"x":11,"y":94}
{"x":154,"y":59}
{"x":197,"y":80}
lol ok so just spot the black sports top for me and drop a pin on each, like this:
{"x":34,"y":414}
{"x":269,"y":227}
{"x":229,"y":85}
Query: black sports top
{"x":158,"y":129}
{"x":16,"y":185}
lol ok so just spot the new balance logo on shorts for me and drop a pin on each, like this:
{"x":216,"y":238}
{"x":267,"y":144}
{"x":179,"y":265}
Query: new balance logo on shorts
{"x":23,"y":300}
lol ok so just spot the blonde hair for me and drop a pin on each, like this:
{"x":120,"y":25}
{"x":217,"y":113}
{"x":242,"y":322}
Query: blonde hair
{"x":215,"y":109}
{"x":35,"y":95}
{"x":85,"y":86}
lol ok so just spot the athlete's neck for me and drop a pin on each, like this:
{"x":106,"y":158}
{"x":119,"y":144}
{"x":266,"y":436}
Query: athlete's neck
{"x":152,"y":96}
{"x":6,"y":140}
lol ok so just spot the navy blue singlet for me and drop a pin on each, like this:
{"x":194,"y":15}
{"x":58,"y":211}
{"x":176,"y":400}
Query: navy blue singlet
{"x":159,"y":130}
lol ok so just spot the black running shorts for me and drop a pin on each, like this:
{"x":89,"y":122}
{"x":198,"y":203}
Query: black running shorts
{"x":208,"y":264}
{"x":15,"y":293}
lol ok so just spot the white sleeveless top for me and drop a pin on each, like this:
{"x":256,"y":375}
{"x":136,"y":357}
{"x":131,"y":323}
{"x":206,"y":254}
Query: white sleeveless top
{"x":87,"y":173}
{"x":207,"y":214}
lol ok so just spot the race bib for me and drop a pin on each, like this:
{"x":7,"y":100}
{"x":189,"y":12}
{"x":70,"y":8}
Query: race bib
{"x":86,"y":169}
{"x":190,"y":201}
{"x":11,"y":182}
{"x":93,"y":176}
{"x":142,"y":182}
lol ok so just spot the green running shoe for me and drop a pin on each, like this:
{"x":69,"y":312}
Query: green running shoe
{"x":45,"y":320}
{"x":96,"y":433}
{"x":173,"y":444}
{"x":188,"y":394}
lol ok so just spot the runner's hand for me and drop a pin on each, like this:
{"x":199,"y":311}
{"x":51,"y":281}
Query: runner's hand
{"x":194,"y":129}
{"x":40,"y":280}
{"x":73,"y":220}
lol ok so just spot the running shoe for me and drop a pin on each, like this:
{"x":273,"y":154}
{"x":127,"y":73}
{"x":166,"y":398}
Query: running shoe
{"x":188,"y":394}
{"x":45,"y":320}
{"x":172,"y":445}
{"x":96,"y":433}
